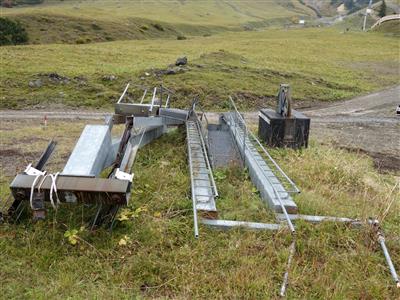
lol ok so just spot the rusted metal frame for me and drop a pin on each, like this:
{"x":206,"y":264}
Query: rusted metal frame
{"x":123,"y":144}
{"x":18,"y":206}
{"x":73,"y":189}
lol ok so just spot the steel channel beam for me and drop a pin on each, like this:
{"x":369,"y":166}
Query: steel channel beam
{"x":318,"y":219}
{"x":229,"y":224}
{"x":90,"y":153}
{"x":257,"y":175}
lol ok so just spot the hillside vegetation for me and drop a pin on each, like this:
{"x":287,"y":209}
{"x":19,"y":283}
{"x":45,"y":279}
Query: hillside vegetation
{"x":320,"y":64}
{"x":94,"y":21}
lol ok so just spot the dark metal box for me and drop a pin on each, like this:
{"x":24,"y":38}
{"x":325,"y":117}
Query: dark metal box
{"x":278,"y":131}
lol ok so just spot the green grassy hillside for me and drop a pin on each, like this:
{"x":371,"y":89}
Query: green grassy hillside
{"x":320,"y":64}
{"x":212,"y":12}
{"x":72,"y":21}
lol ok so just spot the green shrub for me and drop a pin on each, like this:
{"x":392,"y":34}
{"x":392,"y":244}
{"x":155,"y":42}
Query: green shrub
{"x":158,"y":26}
{"x":181,"y":37}
{"x":144,"y":27}
{"x":80,"y":28}
{"x":12,"y":33}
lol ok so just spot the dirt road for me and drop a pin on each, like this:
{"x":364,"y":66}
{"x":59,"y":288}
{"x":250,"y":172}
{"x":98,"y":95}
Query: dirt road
{"x":367,"y":124}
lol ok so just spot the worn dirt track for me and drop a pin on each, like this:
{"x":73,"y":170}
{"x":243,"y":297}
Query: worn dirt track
{"x":367,"y":124}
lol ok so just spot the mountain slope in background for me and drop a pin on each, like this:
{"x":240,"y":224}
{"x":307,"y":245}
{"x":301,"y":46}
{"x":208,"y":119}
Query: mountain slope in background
{"x":95,"y":21}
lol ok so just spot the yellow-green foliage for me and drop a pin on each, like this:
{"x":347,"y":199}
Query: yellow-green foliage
{"x":152,"y":252}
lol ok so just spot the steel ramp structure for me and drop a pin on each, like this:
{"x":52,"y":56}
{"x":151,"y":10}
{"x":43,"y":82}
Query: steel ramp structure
{"x":222,"y":148}
{"x":83,"y":181}
{"x":204,"y":189}
{"x":264,"y":177}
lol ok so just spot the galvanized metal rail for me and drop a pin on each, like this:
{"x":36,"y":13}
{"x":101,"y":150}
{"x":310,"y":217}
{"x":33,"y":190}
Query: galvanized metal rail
{"x":244,"y":139}
{"x":204,"y":190}
{"x":271,"y":188}
{"x":285,"y":180}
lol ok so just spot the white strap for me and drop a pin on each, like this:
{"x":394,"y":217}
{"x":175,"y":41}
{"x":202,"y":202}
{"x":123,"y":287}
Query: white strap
{"x":53,"y":187}
{"x":33,"y":187}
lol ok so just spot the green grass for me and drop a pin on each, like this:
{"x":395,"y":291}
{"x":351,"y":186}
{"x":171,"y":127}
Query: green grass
{"x":162,"y":259}
{"x":320,"y":64}
{"x":206,"y":12}
{"x":72,"y":21}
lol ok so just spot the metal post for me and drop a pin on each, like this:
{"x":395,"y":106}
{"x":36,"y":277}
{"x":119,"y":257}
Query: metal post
{"x":123,"y":94}
{"x":366,"y":14}
{"x":393,"y":272}
{"x":144,"y":95}
{"x":244,"y":140}
{"x":286,"y":276}
{"x":152,"y":100}
{"x":167,"y":102}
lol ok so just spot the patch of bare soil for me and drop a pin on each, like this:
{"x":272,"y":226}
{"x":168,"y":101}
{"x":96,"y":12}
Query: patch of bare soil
{"x":12,"y":160}
{"x":383,"y":162}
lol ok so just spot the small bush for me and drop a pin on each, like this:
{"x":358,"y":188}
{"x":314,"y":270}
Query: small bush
{"x":12,"y":33}
{"x":80,"y":28}
{"x":181,"y":37}
{"x":144,"y":27}
{"x":96,"y":27}
{"x":158,"y":27}
{"x":80,"y":41}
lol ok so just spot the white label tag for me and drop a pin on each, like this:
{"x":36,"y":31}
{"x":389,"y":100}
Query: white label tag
{"x":70,"y":197}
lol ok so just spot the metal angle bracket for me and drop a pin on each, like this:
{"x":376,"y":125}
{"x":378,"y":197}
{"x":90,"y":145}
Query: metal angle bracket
{"x":123,"y":175}
{"x":29,"y":170}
